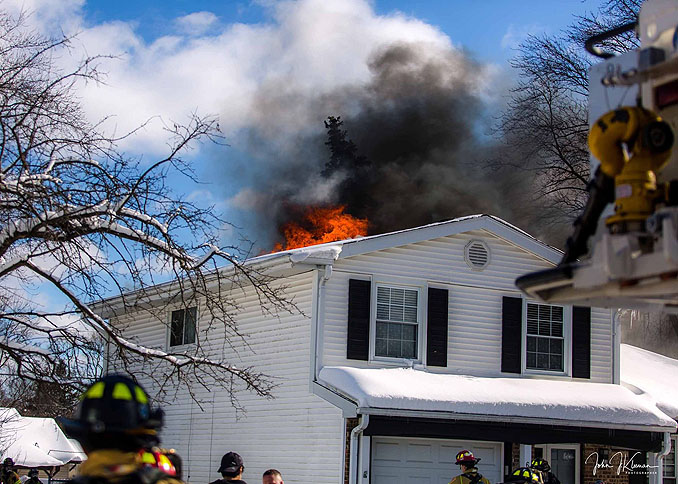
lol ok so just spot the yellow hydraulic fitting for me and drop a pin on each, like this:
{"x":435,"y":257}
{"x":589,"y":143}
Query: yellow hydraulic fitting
{"x":648,"y":141}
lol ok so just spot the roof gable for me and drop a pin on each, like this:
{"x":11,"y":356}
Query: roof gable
{"x":489,"y":223}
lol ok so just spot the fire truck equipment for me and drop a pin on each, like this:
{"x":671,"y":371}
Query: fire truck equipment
{"x":624,"y":248}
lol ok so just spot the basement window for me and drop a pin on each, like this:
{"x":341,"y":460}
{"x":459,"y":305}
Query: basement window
{"x":182,"y":327}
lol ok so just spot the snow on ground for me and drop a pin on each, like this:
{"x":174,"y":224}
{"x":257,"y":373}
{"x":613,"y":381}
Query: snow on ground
{"x":652,"y":374}
{"x":561,"y":402}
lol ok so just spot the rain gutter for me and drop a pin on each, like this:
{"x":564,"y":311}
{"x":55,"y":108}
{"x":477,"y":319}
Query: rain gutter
{"x":339,"y":400}
{"x":438,"y":414}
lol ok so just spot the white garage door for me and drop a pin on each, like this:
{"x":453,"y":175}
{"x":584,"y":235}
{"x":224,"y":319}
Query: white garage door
{"x":427,"y":461}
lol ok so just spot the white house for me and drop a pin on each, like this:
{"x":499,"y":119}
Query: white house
{"x":412,"y":346}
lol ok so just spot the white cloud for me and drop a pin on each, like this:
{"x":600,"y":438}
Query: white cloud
{"x":516,"y":34}
{"x":49,"y":17}
{"x":313,"y":45}
{"x":196,"y":23}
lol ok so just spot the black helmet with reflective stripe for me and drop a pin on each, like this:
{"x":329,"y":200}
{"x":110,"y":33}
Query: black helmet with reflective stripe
{"x":117,"y":408}
{"x":523,"y":475}
{"x":541,"y":465}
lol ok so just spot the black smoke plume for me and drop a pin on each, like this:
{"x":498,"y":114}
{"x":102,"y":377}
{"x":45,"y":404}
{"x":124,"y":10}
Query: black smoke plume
{"x":415,"y":148}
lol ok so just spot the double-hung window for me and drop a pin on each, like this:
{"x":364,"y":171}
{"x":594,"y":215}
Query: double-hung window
{"x":397,"y":323}
{"x":545,"y":338}
{"x":182,"y":327}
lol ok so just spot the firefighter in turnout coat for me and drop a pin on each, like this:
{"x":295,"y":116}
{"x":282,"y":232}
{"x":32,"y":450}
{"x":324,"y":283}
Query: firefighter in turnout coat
{"x":33,"y":477}
{"x":544,"y":469}
{"x":116,"y":426}
{"x":469,"y":470}
{"x":8,"y":475}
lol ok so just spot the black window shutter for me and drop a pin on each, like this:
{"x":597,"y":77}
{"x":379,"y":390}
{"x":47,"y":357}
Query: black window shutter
{"x":581,"y":342}
{"x":511,"y":334}
{"x":436,"y":329}
{"x":358,"y":343}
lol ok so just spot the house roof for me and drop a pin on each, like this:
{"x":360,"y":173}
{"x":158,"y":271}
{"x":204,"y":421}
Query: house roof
{"x":35,"y":441}
{"x":651,"y":374}
{"x":360,"y":245}
{"x":331,"y":251}
{"x":416,"y":392}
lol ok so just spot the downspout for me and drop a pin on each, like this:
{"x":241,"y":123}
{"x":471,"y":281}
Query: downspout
{"x":616,"y":348}
{"x":666,"y":449}
{"x":354,"y":450}
{"x":320,"y":319}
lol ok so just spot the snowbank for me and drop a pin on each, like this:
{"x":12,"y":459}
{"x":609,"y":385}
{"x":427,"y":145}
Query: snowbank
{"x":559,"y":402}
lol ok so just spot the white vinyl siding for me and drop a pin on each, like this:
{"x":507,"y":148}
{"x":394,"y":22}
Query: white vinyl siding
{"x":474,"y":332}
{"x":266,"y":432}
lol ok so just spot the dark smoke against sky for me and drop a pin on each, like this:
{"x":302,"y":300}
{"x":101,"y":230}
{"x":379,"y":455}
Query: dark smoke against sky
{"x":420,"y":121}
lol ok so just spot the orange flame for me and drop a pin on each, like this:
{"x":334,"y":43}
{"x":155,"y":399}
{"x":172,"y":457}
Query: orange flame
{"x":320,"y":225}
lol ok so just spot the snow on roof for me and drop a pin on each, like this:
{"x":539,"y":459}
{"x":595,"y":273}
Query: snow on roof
{"x":521,"y":399}
{"x":645,"y":372}
{"x":35,"y":441}
{"x":328,"y":248}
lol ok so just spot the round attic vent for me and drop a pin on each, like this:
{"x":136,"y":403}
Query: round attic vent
{"x":477,"y":255}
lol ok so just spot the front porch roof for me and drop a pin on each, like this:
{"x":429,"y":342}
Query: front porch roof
{"x":653,"y":374}
{"x":409,"y":392}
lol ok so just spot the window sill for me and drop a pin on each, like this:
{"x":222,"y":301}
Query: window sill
{"x":394,"y":362}
{"x":545,"y":374}
{"x":183,"y":347}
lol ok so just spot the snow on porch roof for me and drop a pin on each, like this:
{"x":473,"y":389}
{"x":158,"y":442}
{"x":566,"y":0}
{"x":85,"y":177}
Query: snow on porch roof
{"x":653,"y":374}
{"x":408,"y":391}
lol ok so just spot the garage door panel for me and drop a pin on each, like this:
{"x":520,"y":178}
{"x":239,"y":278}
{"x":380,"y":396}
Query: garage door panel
{"x":386,"y":479}
{"x":448,"y":454}
{"x":419,"y":453}
{"x":397,"y":460}
{"x":487,"y":454}
{"x":386,"y":451}
{"x":419,"y":480}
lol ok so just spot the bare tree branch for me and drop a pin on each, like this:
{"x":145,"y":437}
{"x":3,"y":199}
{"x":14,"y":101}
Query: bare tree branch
{"x":547,"y":116}
{"x":86,"y":221}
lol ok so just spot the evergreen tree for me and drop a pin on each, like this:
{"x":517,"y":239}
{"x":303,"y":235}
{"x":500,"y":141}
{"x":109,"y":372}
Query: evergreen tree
{"x":343,"y":151}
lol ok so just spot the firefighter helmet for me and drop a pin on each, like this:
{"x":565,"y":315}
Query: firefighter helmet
{"x":541,"y":465}
{"x":524,"y":475}
{"x":115,"y":412}
{"x":8,"y":462}
{"x":466,"y":458}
